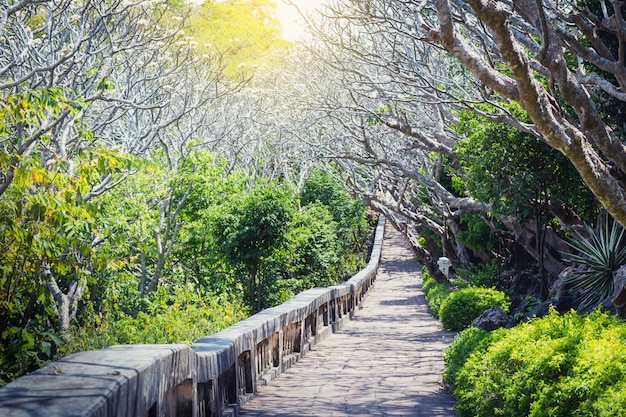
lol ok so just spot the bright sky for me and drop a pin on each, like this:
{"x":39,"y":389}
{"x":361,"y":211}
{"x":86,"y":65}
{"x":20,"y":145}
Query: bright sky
{"x":292,"y":24}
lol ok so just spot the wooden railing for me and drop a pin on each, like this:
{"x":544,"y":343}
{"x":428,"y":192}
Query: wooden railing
{"x":213,"y":377}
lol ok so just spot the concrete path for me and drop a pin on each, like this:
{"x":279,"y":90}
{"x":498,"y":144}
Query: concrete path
{"x":385,"y":362}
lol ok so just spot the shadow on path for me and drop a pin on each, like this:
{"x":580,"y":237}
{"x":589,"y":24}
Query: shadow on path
{"x":387,"y":361}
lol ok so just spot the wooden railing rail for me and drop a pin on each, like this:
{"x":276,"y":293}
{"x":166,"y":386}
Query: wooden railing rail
{"x":211,"y":378}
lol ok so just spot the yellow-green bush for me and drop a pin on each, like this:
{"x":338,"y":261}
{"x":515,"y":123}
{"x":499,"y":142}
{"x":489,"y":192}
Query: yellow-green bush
{"x":557,"y":366}
{"x":182,"y":315}
{"x":464,"y":344}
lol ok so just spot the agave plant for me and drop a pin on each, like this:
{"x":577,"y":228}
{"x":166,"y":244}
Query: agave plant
{"x":601,"y":255}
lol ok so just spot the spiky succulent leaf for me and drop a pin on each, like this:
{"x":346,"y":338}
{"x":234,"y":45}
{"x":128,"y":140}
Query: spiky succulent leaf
{"x":602,"y":254}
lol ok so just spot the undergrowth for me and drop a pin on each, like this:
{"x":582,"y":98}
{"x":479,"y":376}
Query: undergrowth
{"x":557,"y":366}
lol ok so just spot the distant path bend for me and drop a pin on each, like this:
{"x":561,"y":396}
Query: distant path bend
{"x":387,"y":361}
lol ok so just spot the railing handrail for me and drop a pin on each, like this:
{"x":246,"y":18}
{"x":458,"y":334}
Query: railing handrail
{"x":212,"y":377}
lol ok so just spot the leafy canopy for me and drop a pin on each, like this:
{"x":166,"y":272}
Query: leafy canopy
{"x":514,"y":171}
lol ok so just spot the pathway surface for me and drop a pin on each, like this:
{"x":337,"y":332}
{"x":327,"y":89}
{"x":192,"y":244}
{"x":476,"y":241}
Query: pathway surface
{"x":385,"y":362}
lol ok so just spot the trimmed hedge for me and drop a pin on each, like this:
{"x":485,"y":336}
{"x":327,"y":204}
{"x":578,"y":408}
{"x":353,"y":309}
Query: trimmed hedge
{"x":557,"y":366}
{"x":461,"y":307}
{"x":434,"y":292}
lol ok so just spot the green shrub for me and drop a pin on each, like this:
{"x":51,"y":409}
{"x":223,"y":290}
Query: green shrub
{"x":461,"y":307}
{"x":178,"y":315}
{"x":464,"y":344}
{"x":528,"y":305}
{"x":558,"y":366}
{"x":484,"y":275}
{"x":434,"y":292}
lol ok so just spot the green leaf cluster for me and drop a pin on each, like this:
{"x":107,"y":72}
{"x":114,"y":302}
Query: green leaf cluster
{"x":560,"y":365}
{"x":463,"y":345}
{"x":348,"y":213}
{"x":34,"y":107}
{"x":461,"y":307}
{"x":314,"y":249}
{"x":475,"y":234}
{"x":45,"y":227}
{"x":475,"y":288}
{"x":483,"y":275}
{"x":283,"y":243}
{"x":434,"y":292}
{"x":180,"y":314}
{"x":255,"y":224}
{"x":515,"y":172}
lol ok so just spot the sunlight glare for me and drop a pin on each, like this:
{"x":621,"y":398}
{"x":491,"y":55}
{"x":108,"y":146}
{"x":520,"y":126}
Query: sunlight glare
{"x":293,"y":27}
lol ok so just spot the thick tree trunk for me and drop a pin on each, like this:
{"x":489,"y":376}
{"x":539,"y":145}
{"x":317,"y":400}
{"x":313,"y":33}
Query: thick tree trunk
{"x":555,"y":126}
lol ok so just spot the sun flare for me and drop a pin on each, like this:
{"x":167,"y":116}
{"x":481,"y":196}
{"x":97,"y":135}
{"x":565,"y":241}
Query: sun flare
{"x":292,"y":25}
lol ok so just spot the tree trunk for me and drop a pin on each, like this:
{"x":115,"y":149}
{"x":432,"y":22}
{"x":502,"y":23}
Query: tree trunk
{"x":526,"y":238}
{"x":65,"y":304}
{"x":582,"y":143}
{"x":460,"y":254}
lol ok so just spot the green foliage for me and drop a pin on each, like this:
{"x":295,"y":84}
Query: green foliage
{"x":250,"y":228}
{"x":434,"y":292}
{"x":315,"y":254}
{"x":46,"y":227}
{"x":601,"y":255}
{"x":255,"y":224}
{"x":457,"y":305}
{"x":514,"y":171}
{"x":528,"y":305}
{"x":181,"y":314}
{"x":283,"y":250}
{"x":28,"y":348}
{"x":464,"y":344}
{"x":348,"y":213}
{"x":314,"y":246}
{"x":476,"y":234}
{"x":47,"y":222}
{"x":461,"y":307}
{"x":567,"y":365}
{"x":483,"y":275}
{"x":197,"y":254}
{"x":31,"y":109}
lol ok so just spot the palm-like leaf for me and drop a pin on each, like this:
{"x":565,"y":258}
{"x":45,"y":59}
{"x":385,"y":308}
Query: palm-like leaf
{"x":602,"y":254}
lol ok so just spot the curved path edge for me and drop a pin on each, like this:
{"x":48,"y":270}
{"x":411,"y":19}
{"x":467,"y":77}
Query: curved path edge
{"x":386,"y":361}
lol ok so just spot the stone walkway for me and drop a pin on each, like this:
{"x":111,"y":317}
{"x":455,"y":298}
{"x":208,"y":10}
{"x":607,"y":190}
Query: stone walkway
{"x":385,"y":362}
